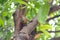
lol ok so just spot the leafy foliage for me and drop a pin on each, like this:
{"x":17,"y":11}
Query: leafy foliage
{"x":43,"y":10}
{"x":34,"y":7}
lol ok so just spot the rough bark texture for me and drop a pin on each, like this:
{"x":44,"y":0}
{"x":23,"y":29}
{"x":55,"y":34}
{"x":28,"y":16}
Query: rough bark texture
{"x":17,"y":21}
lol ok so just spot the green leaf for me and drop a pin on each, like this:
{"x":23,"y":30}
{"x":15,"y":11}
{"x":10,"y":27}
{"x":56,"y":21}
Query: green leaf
{"x":32,"y":12}
{"x":1,"y":22}
{"x":43,"y":13}
{"x":1,"y":33}
{"x":4,"y":14}
{"x":21,"y":2}
{"x":3,"y":1}
{"x":45,"y":27}
{"x":8,"y":36}
{"x":44,"y":1}
{"x":37,"y":4}
{"x":47,"y":33}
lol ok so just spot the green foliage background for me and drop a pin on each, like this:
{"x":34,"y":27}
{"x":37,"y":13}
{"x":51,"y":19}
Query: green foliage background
{"x":34,"y":7}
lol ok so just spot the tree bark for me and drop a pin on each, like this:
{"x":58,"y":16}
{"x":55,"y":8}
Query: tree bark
{"x":22,"y":32}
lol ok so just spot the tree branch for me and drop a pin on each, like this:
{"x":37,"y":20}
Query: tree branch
{"x":52,"y":18}
{"x":24,"y":33}
{"x":55,"y":38}
{"x":53,"y":9}
{"x":30,"y":27}
{"x":19,"y":13}
{"x":50,"y":31}
{"x":16,"y":16}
